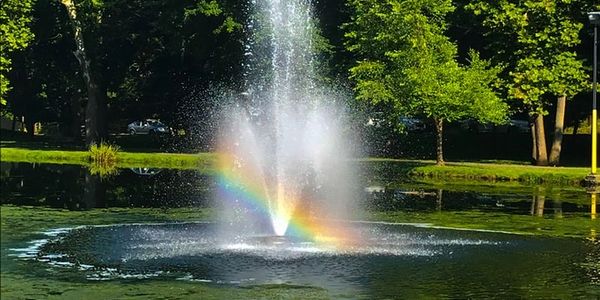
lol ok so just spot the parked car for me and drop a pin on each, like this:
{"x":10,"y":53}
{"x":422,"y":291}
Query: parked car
{"x":148,"y":126}
{"x":413,"y":124}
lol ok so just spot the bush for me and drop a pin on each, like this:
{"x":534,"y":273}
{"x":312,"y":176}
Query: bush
{"x":104,"y":154}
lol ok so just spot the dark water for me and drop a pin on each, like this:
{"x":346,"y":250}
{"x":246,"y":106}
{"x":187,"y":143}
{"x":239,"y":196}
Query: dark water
{"x":73,"y":187}
{"x":397,"y":262}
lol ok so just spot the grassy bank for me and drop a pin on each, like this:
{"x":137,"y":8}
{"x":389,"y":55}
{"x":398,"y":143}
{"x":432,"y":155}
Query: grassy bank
{"x":381,"y":167}
{"x":201,"y":161}
{"x":488,"y":172}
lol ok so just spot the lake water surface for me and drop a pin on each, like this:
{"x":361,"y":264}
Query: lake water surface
{"x":153,"y":235}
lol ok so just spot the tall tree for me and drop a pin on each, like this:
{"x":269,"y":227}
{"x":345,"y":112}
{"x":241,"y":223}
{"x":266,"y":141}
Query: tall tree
{"x":536,"y":42}
{"x":406,"y":62}
{"x":95,"y":111}
{"x":567,"y":79}
{"x":15,"y":34}
{"x":140,"y":70}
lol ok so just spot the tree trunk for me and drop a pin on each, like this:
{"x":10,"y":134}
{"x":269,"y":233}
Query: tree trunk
{"x":576,"y":127}
{"x":95,"y":111}
{"x":75,"y":128}
{"x":559,"y":124}
{"x":439,"y":128}
{"x":30,"y":128}
{"x":534,"y":143}
{"x":540,"y":141}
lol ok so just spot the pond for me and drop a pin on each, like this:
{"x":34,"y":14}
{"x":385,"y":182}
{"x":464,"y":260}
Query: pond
{"x":153,"y":233}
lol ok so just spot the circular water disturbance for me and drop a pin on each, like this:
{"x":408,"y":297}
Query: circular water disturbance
{"x":393,"y":259}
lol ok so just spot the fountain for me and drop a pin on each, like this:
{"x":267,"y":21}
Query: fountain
{"x":283,"y":164}
{"x":288,"y":203}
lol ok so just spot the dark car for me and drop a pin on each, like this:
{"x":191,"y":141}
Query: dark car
{"x":148,"y":126}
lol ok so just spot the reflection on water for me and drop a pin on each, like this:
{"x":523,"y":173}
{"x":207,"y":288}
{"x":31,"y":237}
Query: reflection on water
{"x":146,"y":171}
{"x":593,"y":205}
{"x":75,"y":188}
{"x":523,"y":267}
{"x":94,"y":191}
{"x":536,"y":202}
{"x":537,"y":205}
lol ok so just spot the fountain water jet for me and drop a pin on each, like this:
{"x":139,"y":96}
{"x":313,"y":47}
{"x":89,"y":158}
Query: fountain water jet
{"x":283,"y":161}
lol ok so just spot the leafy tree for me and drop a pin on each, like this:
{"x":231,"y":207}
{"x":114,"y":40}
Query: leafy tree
{"x":136,"y":70}
{"x":44,"y":88}
{"x":536,"y":39}
{"x":407,"y":63}
{"x":15,"y":34}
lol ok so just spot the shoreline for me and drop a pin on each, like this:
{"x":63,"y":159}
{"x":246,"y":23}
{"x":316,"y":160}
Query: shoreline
{"x":483,"y":172}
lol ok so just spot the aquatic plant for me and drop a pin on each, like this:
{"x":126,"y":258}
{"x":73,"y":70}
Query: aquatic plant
{"x":104,"y":153}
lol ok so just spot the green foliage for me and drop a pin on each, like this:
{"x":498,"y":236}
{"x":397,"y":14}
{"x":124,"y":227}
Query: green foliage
{"x":406,"y":61}
{"x":213,"y":9}
{"x":103,"y":159}
{"x":15,"y":34}
{"x":535,"y":38}
{"x":104,"y":155}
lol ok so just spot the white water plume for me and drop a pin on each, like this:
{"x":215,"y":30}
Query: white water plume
{"x":284,"y":137}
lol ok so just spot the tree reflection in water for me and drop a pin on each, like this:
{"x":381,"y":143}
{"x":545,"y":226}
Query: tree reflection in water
{"x":76,"y":188}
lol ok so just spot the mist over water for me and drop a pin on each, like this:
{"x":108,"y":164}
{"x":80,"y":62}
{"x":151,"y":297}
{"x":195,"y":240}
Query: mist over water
{"x":283,"y":162}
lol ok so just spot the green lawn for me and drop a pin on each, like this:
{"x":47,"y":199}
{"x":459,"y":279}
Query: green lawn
{"x":413,"y":169}
{"x":489,"y":172}
{"x":202,"y":161}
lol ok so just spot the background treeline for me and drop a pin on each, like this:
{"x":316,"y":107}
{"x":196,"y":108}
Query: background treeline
{"x":98,"y":64}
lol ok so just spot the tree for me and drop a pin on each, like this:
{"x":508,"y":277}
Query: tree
{"x":95,"y":111}
{"x":406,"y":62}
{"x":536,"y":42}
{"x":567,"y":79}
{"x":148,"y":59}
{"x":15,"y":34}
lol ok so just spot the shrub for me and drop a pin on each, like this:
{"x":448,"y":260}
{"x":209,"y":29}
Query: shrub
{"x":104,"y":154}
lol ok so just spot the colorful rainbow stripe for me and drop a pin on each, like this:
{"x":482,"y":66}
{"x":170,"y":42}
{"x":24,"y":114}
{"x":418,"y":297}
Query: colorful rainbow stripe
{"x":297,"y":218}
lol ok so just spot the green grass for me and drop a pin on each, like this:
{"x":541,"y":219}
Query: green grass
{"x":44,"y":156}
{"x":490,"y":172}
{"x":201,"y":161}
{"x":382,"y":167}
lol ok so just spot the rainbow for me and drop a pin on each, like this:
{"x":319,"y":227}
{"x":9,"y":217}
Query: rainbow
{"x":289,"y":214}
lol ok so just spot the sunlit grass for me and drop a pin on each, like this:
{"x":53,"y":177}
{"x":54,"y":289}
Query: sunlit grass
{"x":390,"y":168}
{"x":489,"y":172}
{"x":44,"y":156}
{"x":201,"y":161}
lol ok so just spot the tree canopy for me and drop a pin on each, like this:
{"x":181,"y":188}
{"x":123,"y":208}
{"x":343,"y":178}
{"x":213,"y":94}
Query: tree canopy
{"x":440,"y":61}
{"x":407,"y":63}
{"x":15,"y":34}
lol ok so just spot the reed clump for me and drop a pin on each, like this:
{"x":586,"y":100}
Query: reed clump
{"x":104,"y":154}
